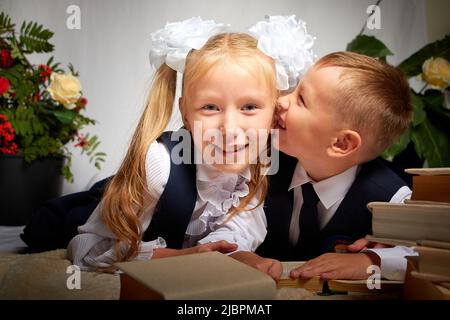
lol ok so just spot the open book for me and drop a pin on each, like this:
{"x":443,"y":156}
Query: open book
{"x":200,"y":276}
{"x":317,"y":284}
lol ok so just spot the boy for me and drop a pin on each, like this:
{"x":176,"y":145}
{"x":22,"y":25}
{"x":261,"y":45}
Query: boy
{"x":344,"y":113}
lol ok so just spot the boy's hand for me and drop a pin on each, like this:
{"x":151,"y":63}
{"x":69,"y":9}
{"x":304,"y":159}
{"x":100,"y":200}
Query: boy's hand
{"x":363,"y":243}
{"x":328,"y":266}
{"x":270,"y":266}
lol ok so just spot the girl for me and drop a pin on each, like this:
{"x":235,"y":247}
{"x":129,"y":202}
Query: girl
{"x":153,"y":202}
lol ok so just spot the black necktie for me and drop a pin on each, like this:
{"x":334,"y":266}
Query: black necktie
{"x":308,"y":222}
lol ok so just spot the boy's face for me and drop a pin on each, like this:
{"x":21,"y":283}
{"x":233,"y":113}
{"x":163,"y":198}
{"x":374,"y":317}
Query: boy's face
{"x":308,"y":115}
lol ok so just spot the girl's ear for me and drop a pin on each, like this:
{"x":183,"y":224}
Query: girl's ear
{"x":344,"y":143}
{"x":182,"y":107}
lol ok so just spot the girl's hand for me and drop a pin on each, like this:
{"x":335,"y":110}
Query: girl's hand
{"x":271,"y":267}
{"x":221,"y":246}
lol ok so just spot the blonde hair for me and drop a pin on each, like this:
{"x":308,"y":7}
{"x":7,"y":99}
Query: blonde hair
{"x":123,"y":201}
{"x":374,"y":98}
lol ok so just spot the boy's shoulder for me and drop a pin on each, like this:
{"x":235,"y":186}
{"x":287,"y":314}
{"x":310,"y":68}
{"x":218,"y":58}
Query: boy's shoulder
{"x":377,"y":175}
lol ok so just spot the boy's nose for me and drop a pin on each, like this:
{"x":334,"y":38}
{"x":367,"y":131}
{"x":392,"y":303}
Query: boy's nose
{"x":283,"y":103}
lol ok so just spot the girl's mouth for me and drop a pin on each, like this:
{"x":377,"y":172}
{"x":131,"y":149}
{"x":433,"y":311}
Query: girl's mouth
{"x":231,"y":150}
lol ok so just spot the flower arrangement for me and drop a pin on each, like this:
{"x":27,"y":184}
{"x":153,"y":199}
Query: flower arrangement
{"x":41,"y":106}
{"x":428,"y":133}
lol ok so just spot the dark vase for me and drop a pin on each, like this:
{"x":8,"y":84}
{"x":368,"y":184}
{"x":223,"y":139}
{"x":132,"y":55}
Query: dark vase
{"x":25,"y":187}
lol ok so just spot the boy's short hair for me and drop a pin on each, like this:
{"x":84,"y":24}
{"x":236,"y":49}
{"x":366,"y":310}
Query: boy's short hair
{"x":374,"y":98}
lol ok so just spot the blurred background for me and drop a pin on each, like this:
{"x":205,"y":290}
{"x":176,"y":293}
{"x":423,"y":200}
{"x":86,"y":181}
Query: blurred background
{"x":110,"y":50}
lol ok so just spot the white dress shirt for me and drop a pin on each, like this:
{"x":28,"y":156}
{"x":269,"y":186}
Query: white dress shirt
{"x":217,"y":192}
{"x":331,"y":192}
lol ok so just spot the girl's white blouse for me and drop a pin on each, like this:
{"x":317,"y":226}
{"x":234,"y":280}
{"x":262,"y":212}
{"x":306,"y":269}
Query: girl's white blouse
{"x":217,"y":192}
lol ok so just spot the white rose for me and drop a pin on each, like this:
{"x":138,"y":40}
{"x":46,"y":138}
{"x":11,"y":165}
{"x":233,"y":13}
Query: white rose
{"x":65,"y":88}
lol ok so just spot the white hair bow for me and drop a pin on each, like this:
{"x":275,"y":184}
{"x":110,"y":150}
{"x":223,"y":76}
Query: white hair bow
{"x":172,"y":44}
{"x":285,"y":40}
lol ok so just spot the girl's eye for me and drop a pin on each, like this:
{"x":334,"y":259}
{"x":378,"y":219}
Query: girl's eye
{"x":249,"y":107}
{"x":210,"y":107}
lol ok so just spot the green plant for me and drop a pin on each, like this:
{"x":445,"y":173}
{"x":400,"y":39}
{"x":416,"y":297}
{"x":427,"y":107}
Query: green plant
{"x":43,"y":105}
{"x":429,"y":130}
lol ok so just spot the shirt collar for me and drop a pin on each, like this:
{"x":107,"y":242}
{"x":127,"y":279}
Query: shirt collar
{"x":330,"y":190}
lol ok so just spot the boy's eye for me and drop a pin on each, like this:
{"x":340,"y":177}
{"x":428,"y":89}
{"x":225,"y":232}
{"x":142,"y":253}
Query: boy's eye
{"x":300,"y":100}
{"x":249,"y":107}
{"x":210,"y":107}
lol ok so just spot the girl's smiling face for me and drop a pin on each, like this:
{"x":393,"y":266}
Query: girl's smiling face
{"x":231,"y":104}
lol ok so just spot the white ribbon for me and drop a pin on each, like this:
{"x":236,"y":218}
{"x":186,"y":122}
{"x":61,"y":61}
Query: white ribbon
{"x":285,"y":40}
{"x":172,"y":43}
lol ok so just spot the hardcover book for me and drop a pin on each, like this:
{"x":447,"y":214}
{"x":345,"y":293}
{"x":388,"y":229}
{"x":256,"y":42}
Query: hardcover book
{"x":411,"y":221}
{"x":200,"y":276}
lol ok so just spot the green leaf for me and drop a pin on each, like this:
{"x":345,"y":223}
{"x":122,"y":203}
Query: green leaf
{"x":412,"y":66}
{"x":433,"y":98}
{"x":65,"y":116}
{"x":5,"y":23}
{"x":35,"y":38}
{"x":13,"y":74}
{"x":67,"y":173}
{"x":431,"y":144}
{"x":419,"y":114}
{"x":370,"y":46}
{"x":398,"y":146}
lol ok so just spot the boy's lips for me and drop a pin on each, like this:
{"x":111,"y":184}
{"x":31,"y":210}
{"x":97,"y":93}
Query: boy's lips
{"x":280,"y":125}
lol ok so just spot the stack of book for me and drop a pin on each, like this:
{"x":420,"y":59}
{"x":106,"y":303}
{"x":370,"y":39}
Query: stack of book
{"x":424,"y":223}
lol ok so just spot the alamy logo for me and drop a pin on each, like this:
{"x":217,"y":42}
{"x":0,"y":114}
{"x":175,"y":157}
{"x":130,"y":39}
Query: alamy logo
{"x":215,"y":147}
{"x":374,"y":280}
{"x":374,"y":18}
{"x":73,"y":21}
{"x":74,"y":280}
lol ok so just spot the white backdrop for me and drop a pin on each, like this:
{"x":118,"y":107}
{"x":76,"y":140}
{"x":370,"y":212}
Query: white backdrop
{"x":110,"y":50}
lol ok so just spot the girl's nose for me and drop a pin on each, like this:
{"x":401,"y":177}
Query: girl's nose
{"x":230,"y":122}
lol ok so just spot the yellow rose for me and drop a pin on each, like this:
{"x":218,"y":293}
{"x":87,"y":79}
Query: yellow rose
{"x":436,"y":72}
{"x":66,"y":89}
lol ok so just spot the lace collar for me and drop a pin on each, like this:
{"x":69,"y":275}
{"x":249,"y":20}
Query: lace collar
{"x":222,"y":189}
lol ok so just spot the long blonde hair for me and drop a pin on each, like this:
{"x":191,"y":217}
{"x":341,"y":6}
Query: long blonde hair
{"x":123,"y":200}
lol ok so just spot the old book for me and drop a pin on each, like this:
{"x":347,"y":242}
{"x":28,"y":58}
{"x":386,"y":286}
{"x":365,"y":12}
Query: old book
{"x":410,"y":221}
{"x":317,"y":284}
{"x":434,"y":261}
{"x":201,"y":276}
{"x":417,"y":288}
{"x":409,"y":243}
{"x":391,"y":241}
{"x":431,"y":184}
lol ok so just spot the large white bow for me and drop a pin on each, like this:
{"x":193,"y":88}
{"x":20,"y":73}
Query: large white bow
{"x":172,"y":43}
{"x":285,"y":40}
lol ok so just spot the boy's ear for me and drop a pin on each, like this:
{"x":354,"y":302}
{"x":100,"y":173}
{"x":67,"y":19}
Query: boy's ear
{"x":182,"y":107}
{"x":344,"y":143}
